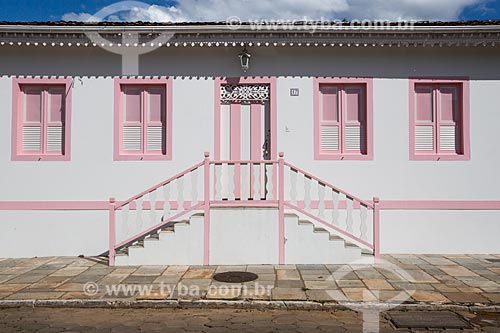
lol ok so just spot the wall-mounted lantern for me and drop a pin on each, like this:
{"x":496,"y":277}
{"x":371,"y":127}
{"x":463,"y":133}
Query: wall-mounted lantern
{"x":245,"y":59}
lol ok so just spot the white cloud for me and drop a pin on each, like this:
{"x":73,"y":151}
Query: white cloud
{"x":220,"y":10}
{"x":409,"y":9}
{"x":76,"y":17}
{"x":151,"y":13}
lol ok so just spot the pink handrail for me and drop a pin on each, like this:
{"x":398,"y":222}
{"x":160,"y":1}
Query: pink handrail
{"x":244,"y":162}
{"x":179,"y":175}
{"x":343,"y":232}
{"x":158,"y":226}
{"x":336,"y":189}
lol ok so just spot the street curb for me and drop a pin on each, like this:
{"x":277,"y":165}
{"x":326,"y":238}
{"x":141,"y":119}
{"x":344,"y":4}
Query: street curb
{"x":243,"y":304}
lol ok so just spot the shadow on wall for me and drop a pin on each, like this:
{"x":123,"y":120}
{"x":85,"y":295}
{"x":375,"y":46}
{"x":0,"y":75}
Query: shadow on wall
{"x":477,"y":63}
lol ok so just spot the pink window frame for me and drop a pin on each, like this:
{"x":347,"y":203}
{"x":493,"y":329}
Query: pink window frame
{"x":463,"y":82}
{"x":217,"y":116}
{"x":17,"y":122}
{"x":118,"y":154}
{"x":368,"y":83}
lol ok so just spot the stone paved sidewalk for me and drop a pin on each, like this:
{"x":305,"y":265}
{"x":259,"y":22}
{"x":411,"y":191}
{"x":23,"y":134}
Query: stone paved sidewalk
{"x":437,"y":279}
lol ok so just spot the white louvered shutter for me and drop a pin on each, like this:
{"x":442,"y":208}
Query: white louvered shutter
{"x":55,"y":139}
{"x":156,"y":120}
{"x":355,"y":119}
{"x":132,"y":119}
{"x":448,"y":138}
{"x":329,"y":138}
{"x":132,"y":136}
{"x":353,"y":138}
{"x":32,"y":139}
{"x":424,"y":138}
{"x":32,"y":120}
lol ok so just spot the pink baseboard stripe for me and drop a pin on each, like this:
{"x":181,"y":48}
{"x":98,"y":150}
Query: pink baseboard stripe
{"x":384,"y":205}
{"x":54,"y":205}
{"x":439,"y":205}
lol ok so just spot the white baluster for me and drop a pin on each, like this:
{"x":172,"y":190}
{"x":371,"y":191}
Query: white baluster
{"x":321,"y":204}
{"x":125,"y":215}
{"x":224,"y":181}
{"x":231,"y":185}
{"x":363,"y":211}
{"x":269,"y":181}
{"x":180,"y":194}
{"x":256,"y":181}
{"x":194,"y":187}
{"x":138,"y":211}
{"x":218,"y":182}
{"x":335,"y":211}
{"x":307,"y":193}
{"x":166,"y":205}
{"x":245,"y":182}
{"x":293,"y":186}
{"x":152,"y":209}
{"x":349,"y":220}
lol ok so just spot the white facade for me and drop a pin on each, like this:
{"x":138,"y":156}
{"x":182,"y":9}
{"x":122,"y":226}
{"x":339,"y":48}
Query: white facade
{"x":93,"y":175}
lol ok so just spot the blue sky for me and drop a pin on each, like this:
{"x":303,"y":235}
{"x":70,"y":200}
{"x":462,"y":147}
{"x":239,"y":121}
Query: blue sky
{"x":212,"y":10}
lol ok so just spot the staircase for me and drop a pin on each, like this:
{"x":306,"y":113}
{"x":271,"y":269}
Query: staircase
{"x":177,"y":243}
{"x":181,"y":243}
{"x":305,"y":219}
{"x":306,"y":243}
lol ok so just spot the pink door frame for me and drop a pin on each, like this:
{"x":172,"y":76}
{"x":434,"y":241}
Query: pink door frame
{"x":272,"y":106}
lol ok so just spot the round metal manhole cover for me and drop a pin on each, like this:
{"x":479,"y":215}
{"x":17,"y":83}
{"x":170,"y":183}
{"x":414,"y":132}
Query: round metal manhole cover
{"x":235,"y":277}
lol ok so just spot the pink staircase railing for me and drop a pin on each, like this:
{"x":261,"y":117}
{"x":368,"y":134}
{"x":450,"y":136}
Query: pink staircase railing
{"x":267,"y":183}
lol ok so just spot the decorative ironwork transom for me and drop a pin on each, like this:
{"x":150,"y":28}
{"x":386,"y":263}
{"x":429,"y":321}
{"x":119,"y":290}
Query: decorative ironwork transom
{"x":244,"y":93}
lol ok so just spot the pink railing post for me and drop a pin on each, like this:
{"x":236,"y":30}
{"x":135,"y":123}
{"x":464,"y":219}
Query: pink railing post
{"x":112,"y":231}
{"x":376,"y":228}
{"x":206,"y":226}
{"x":281,"y":207}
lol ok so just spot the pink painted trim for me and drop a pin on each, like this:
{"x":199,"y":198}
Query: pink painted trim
{"x":343,"y":232}
{"x":465,"y":103}
{"x":273,"y":109}
{"x":368,"y":82}
{"x":206,"y":209}
{"x":17,"y":123}
{"x":376,"y":228}
{"x":384,"y":205}
{"x":159,"y":204}
{"x":439,"y":205}
{"x":245,"y":203}
{"x":366,"y":203}
{"x":112,"y":231}
{"x":281,"y":210}
{"x":53,"y":205}
{"x":118,"y":155}
{"x":232,"y":162}
{"x":328,"y":204}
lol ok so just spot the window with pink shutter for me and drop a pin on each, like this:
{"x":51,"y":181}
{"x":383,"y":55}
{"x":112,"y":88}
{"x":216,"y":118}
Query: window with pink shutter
{"x":40,"y":119}
{"x":143,"y":115}
{"x":341,"y":117}
{"x":439,"y":119}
